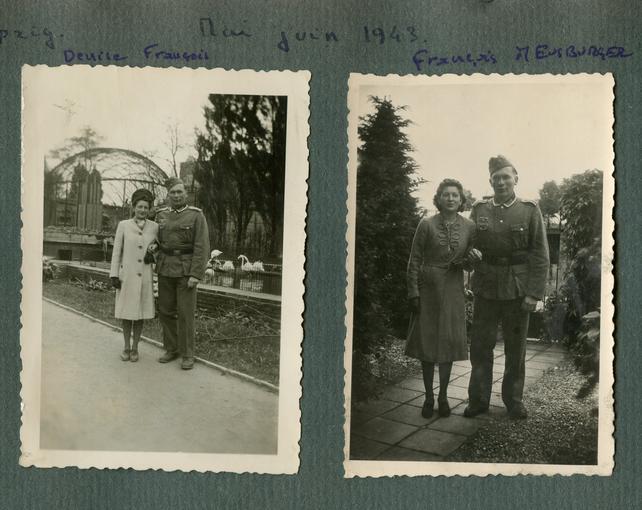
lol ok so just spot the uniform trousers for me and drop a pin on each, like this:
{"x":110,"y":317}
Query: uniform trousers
{"x":488,"y":314}
{"x":176,"y":307}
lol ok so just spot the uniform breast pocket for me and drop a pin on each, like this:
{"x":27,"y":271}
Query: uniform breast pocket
{"x":185,"y":234}
{"x":519,"y":236}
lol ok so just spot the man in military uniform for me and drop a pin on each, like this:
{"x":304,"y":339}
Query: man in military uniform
{"x":511,"y":264}
{"x":183,"y":248}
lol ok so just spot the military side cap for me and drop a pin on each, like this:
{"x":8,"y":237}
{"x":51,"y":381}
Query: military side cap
{"x":142,"y":194}
{"x":497,"y":163}
{"x":173,"y":181}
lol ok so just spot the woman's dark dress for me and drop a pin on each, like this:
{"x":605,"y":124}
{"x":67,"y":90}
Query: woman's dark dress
{"x":435,"y":274}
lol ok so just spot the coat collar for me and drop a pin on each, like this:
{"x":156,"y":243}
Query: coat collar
{"x":506,"y":204}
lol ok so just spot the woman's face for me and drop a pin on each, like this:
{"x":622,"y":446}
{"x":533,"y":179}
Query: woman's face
{"x":450,"y":199}
{"x":141,"y":210}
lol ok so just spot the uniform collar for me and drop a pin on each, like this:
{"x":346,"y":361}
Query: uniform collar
{"x":506,"y":204}
{"x":179,"y":210}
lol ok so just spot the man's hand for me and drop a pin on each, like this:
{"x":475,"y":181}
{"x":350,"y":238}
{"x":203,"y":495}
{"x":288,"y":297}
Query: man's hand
{"x":152,"y":248}
{"x":148,"y":258}
{"x":115,"y":282}
{"x":192,"y":282}
{"x":413,"y":305}
{"x":474,"y":256}
{"x":529,"y":304}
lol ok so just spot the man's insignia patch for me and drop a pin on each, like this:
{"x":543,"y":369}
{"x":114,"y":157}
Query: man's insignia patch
{"x":482,"y":222}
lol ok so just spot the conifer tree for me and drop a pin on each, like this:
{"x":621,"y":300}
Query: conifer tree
{"x":385,"y":223}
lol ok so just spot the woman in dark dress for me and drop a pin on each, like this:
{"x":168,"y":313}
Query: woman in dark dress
{"x":439,"y":253}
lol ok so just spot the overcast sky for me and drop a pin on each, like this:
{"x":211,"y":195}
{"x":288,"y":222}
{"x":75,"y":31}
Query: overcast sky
{"x":549,"y":131}
{"x":129,"y":108}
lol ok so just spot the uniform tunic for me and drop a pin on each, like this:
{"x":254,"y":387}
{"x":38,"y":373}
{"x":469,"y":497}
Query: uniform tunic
{"x":135,"y":298}
{"x":435,"y":275}
{"x":183,"y":253}
{"x":512,"y":240}
{"x":514,"y":248}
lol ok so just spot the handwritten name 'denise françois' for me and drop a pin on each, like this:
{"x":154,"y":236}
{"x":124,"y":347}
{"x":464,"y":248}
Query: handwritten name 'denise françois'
{"x":151,"y":52}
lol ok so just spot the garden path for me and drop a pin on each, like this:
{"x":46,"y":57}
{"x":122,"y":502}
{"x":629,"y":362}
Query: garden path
{"x":392,"y":428}
{"x":91,"y":400}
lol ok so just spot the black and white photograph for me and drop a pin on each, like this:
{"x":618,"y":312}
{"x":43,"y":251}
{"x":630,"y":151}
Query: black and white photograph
{"x":480,"y":275}
{"x":163,"y":264}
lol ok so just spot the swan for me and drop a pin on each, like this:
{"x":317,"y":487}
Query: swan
{"x":245,"y":263}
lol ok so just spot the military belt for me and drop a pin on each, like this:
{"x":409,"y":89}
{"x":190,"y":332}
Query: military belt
{"x":512,"y":260}
{"x":182,"y":251}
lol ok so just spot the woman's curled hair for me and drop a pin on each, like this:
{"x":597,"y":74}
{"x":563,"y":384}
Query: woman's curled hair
{"x":445,"y":184}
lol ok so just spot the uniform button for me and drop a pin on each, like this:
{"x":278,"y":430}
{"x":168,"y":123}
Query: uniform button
{"x":501,"y":221}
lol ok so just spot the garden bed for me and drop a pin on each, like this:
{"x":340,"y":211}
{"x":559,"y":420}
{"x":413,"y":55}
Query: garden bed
{"x":240,"y":337}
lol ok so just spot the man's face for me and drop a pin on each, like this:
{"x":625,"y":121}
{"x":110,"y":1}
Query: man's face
{"x":177,"y":196}
{"x":503,"y":182}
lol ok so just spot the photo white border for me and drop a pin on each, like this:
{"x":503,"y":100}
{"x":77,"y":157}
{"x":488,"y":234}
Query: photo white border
{"x":606,"y":426}
{"x":294,"y":85}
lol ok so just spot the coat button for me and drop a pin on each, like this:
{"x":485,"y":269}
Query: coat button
{"x":140,"y":260}
{"x":140,"y":274}
{"x":141,"y":247}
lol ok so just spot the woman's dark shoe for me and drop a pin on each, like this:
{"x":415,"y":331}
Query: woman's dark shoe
{"x":133,"y":356}
{"x":427,"y":409}
{"x":444,"y":408}
{"x":125,"y":355}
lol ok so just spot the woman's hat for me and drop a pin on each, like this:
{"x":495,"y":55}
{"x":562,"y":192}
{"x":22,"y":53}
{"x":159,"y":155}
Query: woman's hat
{"x":143,"y":194}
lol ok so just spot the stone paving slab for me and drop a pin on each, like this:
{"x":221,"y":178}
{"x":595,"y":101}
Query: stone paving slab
{"x":433,"y":441}
{"x":409,"y":414}
{"x":384,"y":431}
{"x":460,"y":382}
{"x":400,"y":394}
{"x":543,"y":365}
{"x":375,"y":407}
{"x":357,"y":417}
{"x":496,"y":399}
{"x":457,"y":425}
{"x":412,"y":384}
{"x":534,"y":372}
{"x":460,"y":370}
{"x":457,"y":392}
{"x":548,"y":354}
{"x":365,"y":449}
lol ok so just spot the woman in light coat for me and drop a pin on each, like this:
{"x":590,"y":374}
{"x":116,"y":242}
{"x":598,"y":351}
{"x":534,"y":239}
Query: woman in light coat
{"x":131,"y":271}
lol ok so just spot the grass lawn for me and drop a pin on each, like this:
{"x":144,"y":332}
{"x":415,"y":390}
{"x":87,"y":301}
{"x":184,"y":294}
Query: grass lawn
{"x":236,"y":339}
{"x":560,"y":428}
